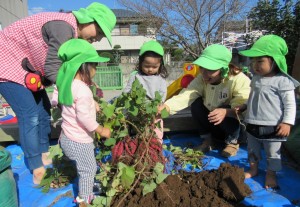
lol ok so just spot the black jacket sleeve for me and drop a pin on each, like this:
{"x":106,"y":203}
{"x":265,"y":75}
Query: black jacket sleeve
{"x":54,"y":34}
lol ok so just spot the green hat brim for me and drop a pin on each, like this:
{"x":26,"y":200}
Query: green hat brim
{"x":82,"y":16}
{"x":280,"y":60}
{"x":252,"y":53}
{"x":207,"y":63}
{"x":105,"y":30}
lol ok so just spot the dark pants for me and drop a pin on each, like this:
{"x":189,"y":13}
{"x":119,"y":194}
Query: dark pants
{"x":228,"y":130}
{"x":33,"y":112}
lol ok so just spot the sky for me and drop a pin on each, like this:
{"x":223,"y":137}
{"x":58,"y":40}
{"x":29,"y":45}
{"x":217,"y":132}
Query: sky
{"x":36,"y":6}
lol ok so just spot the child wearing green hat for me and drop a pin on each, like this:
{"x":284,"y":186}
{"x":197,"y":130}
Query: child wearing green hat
{"x":79,"y":60}
{"x":152,"y":74}
{"x":213,"y":96}
{"x":271,"y":108}
{"x":29,"y":62}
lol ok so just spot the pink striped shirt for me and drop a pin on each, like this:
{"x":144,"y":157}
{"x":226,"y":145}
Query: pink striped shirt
{"x":23,"y":39}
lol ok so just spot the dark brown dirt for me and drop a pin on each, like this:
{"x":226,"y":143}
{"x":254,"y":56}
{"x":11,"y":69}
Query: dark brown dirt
{"x":222,"y":187}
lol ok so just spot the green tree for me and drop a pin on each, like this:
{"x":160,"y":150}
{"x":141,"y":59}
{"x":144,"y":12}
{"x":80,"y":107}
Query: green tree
{"x":188,"y":24}
{"x":117,"y":53}
{"x":280,"y":19}
{"x":108,"y":55}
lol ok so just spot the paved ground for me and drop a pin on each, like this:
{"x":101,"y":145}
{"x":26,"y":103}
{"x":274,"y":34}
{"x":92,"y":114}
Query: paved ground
{"x":109,"y":94}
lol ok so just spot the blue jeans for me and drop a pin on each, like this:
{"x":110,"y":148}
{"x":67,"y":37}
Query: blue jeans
{"x":228,"y":130}
{"x":33,"y":112}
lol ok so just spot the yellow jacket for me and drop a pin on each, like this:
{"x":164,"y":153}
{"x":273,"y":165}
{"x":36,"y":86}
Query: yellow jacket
{"x":232,"y":91}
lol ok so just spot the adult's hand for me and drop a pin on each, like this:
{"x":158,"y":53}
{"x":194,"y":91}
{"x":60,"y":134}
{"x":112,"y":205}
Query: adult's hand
{"x":217,"y":116}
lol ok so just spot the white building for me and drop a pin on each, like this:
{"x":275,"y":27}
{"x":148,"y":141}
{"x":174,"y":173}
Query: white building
{"x":11,"y":11}
{"x":130,"y":33}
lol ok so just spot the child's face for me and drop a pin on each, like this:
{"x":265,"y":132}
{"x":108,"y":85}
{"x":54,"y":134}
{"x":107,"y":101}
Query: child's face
{"x":90,"y":32}
{"x":262,"y":66}
{"x":211,"y":76}
{"x":150,"y":65}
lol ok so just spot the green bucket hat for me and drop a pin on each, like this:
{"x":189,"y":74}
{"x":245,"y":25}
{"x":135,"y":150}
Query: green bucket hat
{"x":153,"y":46}
{"x":100,"y":13}
{"x":269,"y":45}
{"x":215,"y":57}
{"x":73,"y":54}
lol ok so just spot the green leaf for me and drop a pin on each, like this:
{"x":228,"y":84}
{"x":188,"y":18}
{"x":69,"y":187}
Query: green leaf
{"x":154,"y":109}
{"x":164,"y":113}
{"x":111,"y":192}
{"x":148,"y":110}
{"x":55,"y":150}
{"x":127,"y":104}
{"x":160,"y":177}
{"x":157,"y":96}
{"x":158,"y":168}
{"x":128,"y":175}
{"x":106,"y":202}
{"x":110,"y":142}
{"x":139,"y":101}
{"x":109,"y":124}
{"x":149,"y":187}
{"x":104,"y":182}
{"x":98,"y":137}
{"x":109,"y":110}
{"x":123,"y":133}
{"x":117,"y":123}
{"x":121,"y":165}
{"x":116,"y":182}
{"x":133,"y":110}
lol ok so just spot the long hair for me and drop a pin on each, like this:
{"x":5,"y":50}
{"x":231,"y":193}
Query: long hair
{"x":84,"y":72}
{"x":162,"y":71}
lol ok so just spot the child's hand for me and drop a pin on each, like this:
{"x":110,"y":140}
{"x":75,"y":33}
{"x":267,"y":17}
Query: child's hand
{"x":241,"y":108}
{"x":162,"y":107}
{"x":105,"y":132}
{"x":283,"y":130}
{"x":217,"y":116}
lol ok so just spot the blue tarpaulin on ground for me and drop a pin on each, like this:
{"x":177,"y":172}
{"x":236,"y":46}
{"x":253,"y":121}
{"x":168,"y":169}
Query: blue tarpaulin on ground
{"x":288,"y":179}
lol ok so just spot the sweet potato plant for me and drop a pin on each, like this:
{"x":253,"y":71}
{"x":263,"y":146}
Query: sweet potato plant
{"x":133,"y":155}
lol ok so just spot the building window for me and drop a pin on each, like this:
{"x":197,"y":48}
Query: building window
{"x":133,"y":29}
{"x":116,"y":31}
{"x":124,"y":29}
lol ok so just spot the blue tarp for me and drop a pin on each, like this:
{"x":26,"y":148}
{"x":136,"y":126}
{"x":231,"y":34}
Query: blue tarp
{"x":288,"y":179}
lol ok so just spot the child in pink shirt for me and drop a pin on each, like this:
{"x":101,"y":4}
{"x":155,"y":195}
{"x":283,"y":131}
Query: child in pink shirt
{"x":79,"y":60}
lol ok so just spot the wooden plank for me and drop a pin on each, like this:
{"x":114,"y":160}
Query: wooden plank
{"x":10,"y":132}
{"x":182,"y":121}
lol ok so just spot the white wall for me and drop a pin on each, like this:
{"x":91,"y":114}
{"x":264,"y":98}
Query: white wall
{"x":12,"y":10}
{"x":126,"y":42}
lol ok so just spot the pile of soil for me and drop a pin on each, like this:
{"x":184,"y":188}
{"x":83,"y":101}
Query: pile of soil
{"x":222,"y":187}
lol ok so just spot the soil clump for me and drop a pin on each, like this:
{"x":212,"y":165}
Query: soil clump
{"x":222,"y":187}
